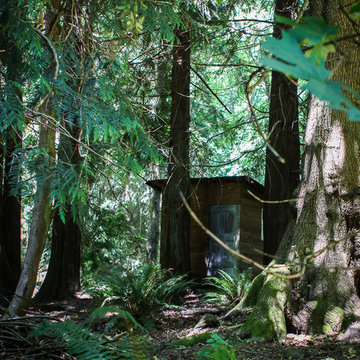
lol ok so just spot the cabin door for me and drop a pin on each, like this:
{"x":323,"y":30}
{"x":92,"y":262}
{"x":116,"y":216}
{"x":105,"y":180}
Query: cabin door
{"x":225,"y":224}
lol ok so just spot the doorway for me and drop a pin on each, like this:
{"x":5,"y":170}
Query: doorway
{"x":225,"y":224}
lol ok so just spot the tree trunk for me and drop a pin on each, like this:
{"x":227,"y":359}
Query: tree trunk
{"x":281,"y":179}
{"x":327,"y":296}
{"x":162,"y":110}
{"x":175,"y":246}
{"x":42,"y":210}
{"x":63,"y":276}
{"x":10,"y":220}
{"x":40,"y":222}
{"x":152,"y":244}
{"x":10,"y":204}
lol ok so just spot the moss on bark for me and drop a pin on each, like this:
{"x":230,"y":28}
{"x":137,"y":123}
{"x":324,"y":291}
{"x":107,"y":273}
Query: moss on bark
{"x":250,"y":298}
{"x":326,"y":318}
{"x":267,"y":320}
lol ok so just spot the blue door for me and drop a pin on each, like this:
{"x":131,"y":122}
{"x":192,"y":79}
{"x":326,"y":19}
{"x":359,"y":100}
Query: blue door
{"x":224,"y":223}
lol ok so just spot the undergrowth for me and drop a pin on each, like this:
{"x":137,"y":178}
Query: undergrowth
{"x":82,"y":343}
{"x":141,"y":290}
{"x":216,"y":349}
{"x":227,"y":289}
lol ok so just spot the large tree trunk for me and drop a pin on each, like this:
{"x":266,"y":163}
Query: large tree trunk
{"x":10,"y":203}
{"x":281,"y":179}
{"x":162,"y":111}
{"x":42,"y":211}
{"x":322,"y":300}
{"x":10,"y":220}
{"x":40,"y":222}
{"x":175,"y":245}
{"x":63,"y":276}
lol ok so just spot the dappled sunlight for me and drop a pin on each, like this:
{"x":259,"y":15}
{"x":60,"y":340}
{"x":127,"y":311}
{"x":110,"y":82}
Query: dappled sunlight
{"x":334,"y":157}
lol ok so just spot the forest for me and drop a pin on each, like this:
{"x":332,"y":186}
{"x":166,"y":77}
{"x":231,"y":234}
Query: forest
{"x":180,"y":179}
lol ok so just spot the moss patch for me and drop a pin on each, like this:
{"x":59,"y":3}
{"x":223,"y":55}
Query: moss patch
{"x":193,"y":340}
{"x":326,"y":318}
{"x":250,"y":298}
{"x":267,"y":320}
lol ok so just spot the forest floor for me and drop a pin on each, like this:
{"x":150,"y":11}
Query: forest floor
{"x":173,"y":325}
{"x":182,"y":333}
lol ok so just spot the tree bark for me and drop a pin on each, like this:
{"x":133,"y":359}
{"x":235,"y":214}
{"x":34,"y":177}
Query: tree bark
{"x":62,"y":279}
{"x":175,"y":245}
{"x":152,"y":244}
{"x":40,"y":222}
{"x":11,"y":139}
{"x":327,"y":296}
{"x":162,"y":111}
{"x":63,"y":276}
{"x":10,"y":221}
{"x":42,"y":210}
{"x":281,"y":179}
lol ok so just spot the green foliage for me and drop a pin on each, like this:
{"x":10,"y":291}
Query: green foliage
{"x":78,"y":340}
{"x":310,"y":65}
{"x":217,"y":349}
{"x":141,"y":290}
{"x":228,"y":289}
{"x":193,"y":339}
{"x":81,"y":342}
{"x":119,"y":315}
{"x":355,"y":9}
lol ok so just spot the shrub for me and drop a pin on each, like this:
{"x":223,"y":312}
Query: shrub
{"x":228,"y":289}
{"x":217,"y":349}
{"x":82,"y":343}
{"x":143,"y":289}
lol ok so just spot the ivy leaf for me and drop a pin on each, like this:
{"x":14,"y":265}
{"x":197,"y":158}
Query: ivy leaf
{"x":353,"y":113}
{"x":291,"y":60}
{"x":319,"y":52}
{"x":330,"y":91}
{"x":355,"y":9}
{"x":333,"y":93}
{"x":311,"y":30}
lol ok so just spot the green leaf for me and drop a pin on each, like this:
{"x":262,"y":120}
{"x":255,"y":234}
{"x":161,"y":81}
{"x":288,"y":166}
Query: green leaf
{"x":292,"y":61}
{"x":313,"y":30}
{"x":355,"y":9}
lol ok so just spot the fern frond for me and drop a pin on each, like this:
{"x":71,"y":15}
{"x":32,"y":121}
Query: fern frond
{"x":77,"y":339}
{"x":227,"y":289}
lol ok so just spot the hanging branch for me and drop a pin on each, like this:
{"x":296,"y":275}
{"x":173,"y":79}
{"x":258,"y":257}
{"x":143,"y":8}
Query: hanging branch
{"x":208,"y":87}
{"x":269,"y":269}
{"x":248,"y":89}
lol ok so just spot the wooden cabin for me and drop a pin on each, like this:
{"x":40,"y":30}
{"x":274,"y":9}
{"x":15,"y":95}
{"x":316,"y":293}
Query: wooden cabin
{"x":224,"y":205}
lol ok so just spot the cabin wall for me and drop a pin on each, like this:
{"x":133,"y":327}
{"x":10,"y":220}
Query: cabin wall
{"x":251,"y":244}
{"x":204,"y":195}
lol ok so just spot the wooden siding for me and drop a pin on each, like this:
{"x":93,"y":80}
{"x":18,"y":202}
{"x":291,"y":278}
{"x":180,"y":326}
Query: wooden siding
{"x":217,"y":191}
{"x":205,"y":195}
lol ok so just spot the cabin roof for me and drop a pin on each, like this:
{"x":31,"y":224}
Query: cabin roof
{"x":250,"y":183}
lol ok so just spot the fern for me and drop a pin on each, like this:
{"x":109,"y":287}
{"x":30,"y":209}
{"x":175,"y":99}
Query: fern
{"x":142,"y":290}
{"x":217,"y":349}
{"x":228,"y":289}
{"x":76,"y":339}
{"x":80,"y":342}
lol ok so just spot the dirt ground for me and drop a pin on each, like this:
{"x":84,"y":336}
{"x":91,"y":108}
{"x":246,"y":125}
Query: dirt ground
{"x":181,"y":333}
{"x":181,"y":323}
